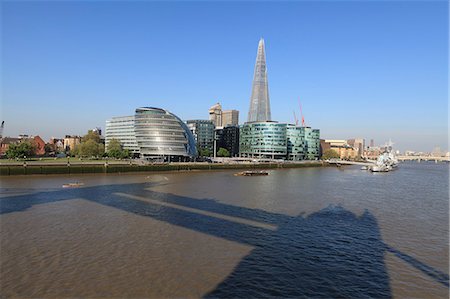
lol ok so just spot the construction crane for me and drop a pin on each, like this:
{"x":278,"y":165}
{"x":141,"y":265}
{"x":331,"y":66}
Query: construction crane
{"x":301,"y":113}
{"x":295,"y":118}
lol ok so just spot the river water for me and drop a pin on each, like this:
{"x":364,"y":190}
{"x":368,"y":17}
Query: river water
{"x":312,"y":232}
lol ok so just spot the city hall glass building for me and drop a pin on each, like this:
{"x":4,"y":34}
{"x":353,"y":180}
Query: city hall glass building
{"x":153,"y":133}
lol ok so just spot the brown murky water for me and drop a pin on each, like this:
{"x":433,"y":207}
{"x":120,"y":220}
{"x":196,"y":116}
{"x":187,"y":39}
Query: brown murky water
{"x":315,"y":232}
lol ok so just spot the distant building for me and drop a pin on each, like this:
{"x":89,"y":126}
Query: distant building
{"x":358,"y":144}
{"x":122,"y":129}
{"x":39,"y":145}
{"x":230,"y":118}
{"x":215,"y":115}
{"x":97,"y":130}
{"x":56,"y":144}
{"x":153,"y":133}
{"x":372,"y":152}
{"x":5,"y":142}
{"x":222,"y":118}
{"x":71,"y":141}
{"x":203,"y":132}
{"x":341,"y":147}
{"x":228,"y":138}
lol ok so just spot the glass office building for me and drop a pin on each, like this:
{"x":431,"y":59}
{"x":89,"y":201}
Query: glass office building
{"x":203,"y":132}
{"x":312,"y":138}
{"x":153,"y":133}
{"x":278,"y":141}
{"x":263,"y":140}
{"x":161,"y":133}
{"x":122,"y":129}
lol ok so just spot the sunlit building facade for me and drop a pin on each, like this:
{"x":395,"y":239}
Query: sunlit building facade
{"x":153,"y":133}
{"x":122,"y":129}
{"x":263,"y":140}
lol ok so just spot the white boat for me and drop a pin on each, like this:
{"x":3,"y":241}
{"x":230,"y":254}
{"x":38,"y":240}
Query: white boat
{"x":72,"y":185}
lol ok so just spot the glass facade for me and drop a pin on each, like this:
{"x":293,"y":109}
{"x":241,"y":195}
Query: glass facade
{"x":278,"y":141}
{"x":161,"y":133}
{"x":259,"y":101}
{"x":228,"y":138}
{"x":263,"y":140}
{"x":312,"y":138}
{"x":203,"y":132}
{"x":122,"y":129}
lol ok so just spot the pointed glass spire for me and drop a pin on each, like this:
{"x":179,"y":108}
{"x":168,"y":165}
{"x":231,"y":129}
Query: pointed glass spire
{"x":259,"y":101}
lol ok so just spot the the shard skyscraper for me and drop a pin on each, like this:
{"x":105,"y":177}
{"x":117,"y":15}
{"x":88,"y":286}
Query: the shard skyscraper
{"x":259,"y":102}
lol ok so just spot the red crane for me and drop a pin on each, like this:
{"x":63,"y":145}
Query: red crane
{"x":301,"y":112}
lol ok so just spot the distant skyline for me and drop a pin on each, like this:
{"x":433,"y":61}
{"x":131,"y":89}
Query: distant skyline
{"x":369,"y":69}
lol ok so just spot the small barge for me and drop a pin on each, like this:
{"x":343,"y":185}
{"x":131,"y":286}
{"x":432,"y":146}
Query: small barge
{"x":252,"y":173}
{"x":73,"y":185}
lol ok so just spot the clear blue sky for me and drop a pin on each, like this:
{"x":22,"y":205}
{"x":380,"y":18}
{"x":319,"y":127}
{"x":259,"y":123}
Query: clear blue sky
{"x":362,"y":68}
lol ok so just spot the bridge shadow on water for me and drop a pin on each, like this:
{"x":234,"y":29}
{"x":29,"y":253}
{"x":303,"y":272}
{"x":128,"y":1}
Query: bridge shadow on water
{"x":331,"y":253}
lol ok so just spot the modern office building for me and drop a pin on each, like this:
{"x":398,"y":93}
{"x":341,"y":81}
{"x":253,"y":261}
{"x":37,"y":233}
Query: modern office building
{"x":122,"y":129}
{"x":203,"y":132}
{"x":262,"y":138}
{"x":230,"y":118}
{"x":153,"y":133}
{"x":228,"y":138}
{"x":161,"y":133}
{"x":312,"y":140}
{"x":259,"y":101}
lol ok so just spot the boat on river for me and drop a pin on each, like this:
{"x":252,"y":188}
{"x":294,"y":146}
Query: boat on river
{"x":252,"y":173}
{"x":385,"y":162}
{"x":73,"y":185}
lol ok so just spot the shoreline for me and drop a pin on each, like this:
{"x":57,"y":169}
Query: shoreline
{"x":10,"y":170}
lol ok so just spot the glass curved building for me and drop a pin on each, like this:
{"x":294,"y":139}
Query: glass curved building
{"x":153,"y":133}
{"x":161,"y":133}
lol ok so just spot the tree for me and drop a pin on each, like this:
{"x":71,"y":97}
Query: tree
{"x":125,"y":154}
{"x":223,"y":152}
{"x":90,"y":146}
{"x":20,"y":150}
{"x":330,"y":154}
{"x":49,"y":148}
{"x":114,"y":149}
{"x":204,"y":152}
{"x":91,"y":135}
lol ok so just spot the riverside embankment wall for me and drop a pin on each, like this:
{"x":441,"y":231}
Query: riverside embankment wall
{"x":6,"y":170}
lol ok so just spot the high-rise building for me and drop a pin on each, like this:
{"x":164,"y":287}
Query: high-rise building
{"x":222,"y":118}
{"x":262,"y":138}
{"x":203,"y":132}
{"x":259,"y":101}
{"x":215,"y":114}
{"x":230,"y":118}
